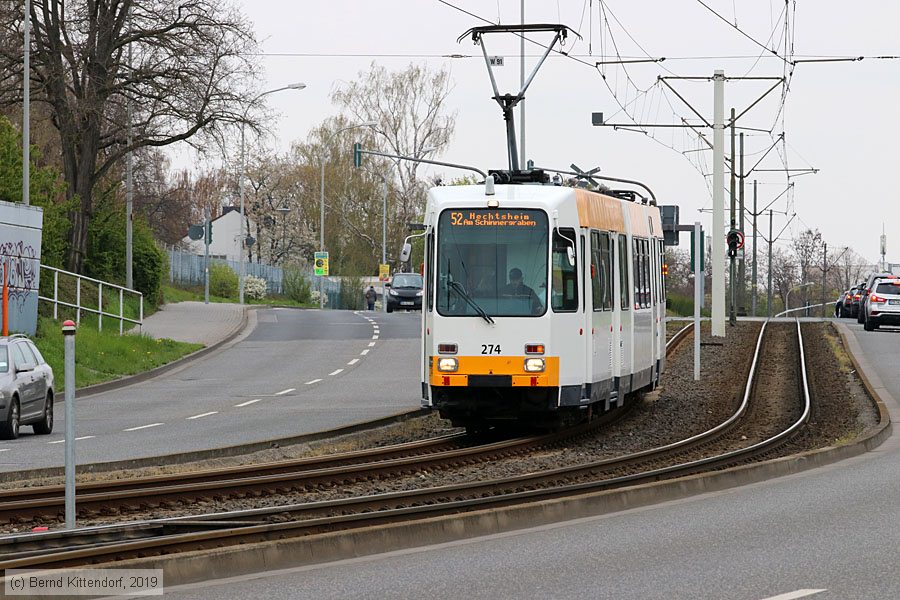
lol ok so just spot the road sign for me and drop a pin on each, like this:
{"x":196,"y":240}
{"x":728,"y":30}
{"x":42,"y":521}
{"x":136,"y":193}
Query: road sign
{"x":384,"y":272}
{"x":495,"y":61}
{"x":321,"y":263}
{"x":195,"y":232}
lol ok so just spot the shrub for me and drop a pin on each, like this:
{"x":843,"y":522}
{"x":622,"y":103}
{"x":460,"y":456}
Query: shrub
{"x":352,"y":295}
{"x":255,"y":287}
{"x":223,"y":281}
{"x":296,"y":286}
{"x":314,"y":298}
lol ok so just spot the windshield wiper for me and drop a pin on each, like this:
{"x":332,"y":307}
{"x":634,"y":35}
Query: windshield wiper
{"x":459,"y":289}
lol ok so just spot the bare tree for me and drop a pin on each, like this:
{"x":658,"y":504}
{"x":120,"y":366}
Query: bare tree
{"x":409,"y":109}
{"x":190,"y":75}
{"x":808,"y":253}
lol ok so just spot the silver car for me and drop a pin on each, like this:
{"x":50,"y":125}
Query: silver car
{"x":26,"y":388}
{"x":883,"y":304}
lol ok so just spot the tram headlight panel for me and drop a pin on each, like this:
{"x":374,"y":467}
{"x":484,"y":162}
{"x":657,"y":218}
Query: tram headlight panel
{"x":534,"y":365}
{"x":448,"y":364}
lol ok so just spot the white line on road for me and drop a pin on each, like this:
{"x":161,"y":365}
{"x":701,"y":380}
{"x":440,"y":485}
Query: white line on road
{"x":144,"y":427}
{"x":797,"y":594}
{"x":201,"y":415}
{"x":364,"y":352}
{"x":84,"y":437}
{"x":313,"y":381}
{"x":374,"y":337}
{"x":353,"y":362}
{"x":335,"y":373}
{"x":247,"y":403}
{"x":371,"y":344}
{"x":287,"y":391}
{"x":5,"y":449}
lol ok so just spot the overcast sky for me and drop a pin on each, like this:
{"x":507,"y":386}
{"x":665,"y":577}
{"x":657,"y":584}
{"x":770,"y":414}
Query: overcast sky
{"x":839,"y":117}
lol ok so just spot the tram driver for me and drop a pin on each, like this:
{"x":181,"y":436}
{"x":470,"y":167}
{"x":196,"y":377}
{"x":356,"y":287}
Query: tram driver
{"x":516,"y":288}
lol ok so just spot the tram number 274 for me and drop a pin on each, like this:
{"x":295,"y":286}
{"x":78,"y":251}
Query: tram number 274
{"x":490,"y":349}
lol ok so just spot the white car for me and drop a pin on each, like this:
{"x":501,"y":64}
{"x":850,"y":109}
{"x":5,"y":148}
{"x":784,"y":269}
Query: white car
{"x":883,"y":304}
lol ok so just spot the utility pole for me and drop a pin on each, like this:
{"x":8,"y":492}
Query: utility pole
{"x":26,"y":109}
{"x":521,"y":86}
{"x":732,"y":317}
{"x":771,"y":243}
{"x":753,"y":268}
{"x":718,"y":225}
{"x":129,"y":194}
{"x":824,"y":273}
{"x":742,"y":265}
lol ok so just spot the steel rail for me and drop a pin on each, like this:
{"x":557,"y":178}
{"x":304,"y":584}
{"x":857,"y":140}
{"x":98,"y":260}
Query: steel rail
{"x":247,"y":526}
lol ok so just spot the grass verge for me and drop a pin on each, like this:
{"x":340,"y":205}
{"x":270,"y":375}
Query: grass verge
{"x":173,"y":294}
{"x":105,"y":355}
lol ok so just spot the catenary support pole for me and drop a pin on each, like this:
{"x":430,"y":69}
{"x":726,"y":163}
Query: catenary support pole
{"x":771,"y":243}
{"x":522,"y":162}
{"x":129,"y":193}
{"x":26,"y":109}
{"x":207,"y":226}
{"x":718,"y":225}
{"x":753,"y":267}
{"x":824,"y":275}
{"x":68,"y":330}
{"x":732,"y":280}
{"x":698,"y":295}
{"x":742,"y":264}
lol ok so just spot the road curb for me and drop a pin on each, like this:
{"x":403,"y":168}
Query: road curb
{"x":224,"y":452}
{"x":223,"y":563}
{"x":106,"y":386}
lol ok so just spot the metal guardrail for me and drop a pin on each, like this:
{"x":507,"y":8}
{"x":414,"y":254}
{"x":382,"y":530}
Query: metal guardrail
{"x":807,"y":307}
{"x":78,"y":306}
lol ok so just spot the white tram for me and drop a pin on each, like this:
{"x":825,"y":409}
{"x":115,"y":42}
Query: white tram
{"x":579,"y":331}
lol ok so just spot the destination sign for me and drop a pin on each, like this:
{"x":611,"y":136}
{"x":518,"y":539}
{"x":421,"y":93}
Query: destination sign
{"x":493,"y":218}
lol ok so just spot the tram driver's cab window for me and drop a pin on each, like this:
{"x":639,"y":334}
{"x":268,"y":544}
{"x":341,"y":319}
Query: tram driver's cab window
{"x":564,"y":271}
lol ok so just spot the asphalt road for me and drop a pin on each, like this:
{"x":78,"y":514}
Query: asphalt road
{"x":298,"y":371}
{"x":835,"y":529}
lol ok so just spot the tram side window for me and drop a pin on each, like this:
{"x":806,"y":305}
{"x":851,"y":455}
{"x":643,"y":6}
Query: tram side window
{"x":638,"y":274}
{"x":601,"y":270}
{"x":564,"y":279}
{"x":662,"y":277}
{"x":429,"y":271}
{"x":623,"y":273}
{"x":645,"y":247}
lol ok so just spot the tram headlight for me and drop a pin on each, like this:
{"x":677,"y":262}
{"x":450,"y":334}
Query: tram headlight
{"x":534,"y":365}
{"x":448,"y":364}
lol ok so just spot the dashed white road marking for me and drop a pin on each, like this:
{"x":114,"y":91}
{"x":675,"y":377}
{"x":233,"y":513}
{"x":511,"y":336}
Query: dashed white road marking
{"x":84,"y":437}
{"x":371,"y":344}
{"x":287,"y":391}
{"x":5,"y":449}
{"x":353,"y":362}
{"x":335,"y":372}
{"x":247,"y":403}
{"x":201,"y":415}
{"x":374,"y":337}
{"x":144,"y":427}
{"x":313,"y":381}
{"x":794,"y":595}
{"x":364,"y":352}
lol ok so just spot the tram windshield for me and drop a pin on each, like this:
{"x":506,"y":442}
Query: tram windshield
{"x":492,"y":262}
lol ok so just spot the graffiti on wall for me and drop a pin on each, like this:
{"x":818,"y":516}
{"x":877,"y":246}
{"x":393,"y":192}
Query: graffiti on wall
{"x":22,"y":268}
{"x":20,"y":252}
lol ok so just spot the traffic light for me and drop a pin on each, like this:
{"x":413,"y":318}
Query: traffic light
{"x":735,"y":240}
{"x":208,"y":233}
{"x":357,"y":155}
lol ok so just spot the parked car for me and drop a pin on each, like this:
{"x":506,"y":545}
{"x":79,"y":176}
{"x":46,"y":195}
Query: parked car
{"x":883,"y":304}
{"x":857,"y":296}
{"x":405,"y":292}
{"x":26,"y":388}
{"x":867,"y":289}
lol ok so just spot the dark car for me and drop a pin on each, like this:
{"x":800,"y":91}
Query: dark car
{"x":405,"y":292}
{"x":866,"y":290}
{"x":26,"y":388}
{"x":845,"y":303}
{"x":857,"y":296}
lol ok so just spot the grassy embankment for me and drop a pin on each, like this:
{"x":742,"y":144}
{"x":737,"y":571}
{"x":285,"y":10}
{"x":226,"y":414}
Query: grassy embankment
{"x":100,"y":355}
{"x":179,"y":294}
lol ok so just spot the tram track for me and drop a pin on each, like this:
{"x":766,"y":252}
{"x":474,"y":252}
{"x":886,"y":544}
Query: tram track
{"x":247,"y":526}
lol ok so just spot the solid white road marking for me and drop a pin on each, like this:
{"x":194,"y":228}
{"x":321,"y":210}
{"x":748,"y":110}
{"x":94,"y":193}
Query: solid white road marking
{"x":371,"y":344}
{"x":797,"y":594}
{"x":247,"y":403}
{"x":353,"y":362}
{"x":5,"y":449}
{"x":287,"y":391}
{"x":364,"y":352}
{"x":201,"y":415}
{"x":144,"y":427}
{"x":84,"y":437}
{"x":313,"y":381}
{"x":335,"y":373}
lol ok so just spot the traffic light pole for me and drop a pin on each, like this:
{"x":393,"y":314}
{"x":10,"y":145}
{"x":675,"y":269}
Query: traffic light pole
{"x":207,"y":238}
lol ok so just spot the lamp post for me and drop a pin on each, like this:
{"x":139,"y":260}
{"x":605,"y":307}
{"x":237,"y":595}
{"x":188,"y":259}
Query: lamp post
{"x":243,"y":236}
{"x":322,"y":200}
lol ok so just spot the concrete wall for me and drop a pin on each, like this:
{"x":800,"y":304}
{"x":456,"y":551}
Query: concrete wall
{"x":20,"y":251}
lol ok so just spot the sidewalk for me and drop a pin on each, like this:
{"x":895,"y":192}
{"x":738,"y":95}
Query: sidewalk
{"x":195,"y":322}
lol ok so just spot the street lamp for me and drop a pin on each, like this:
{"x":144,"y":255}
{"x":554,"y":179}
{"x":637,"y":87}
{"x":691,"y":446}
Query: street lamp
{"x":322,"y":199}
{"x":293,"y":86}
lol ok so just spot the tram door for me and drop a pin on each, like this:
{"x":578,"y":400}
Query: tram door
{"x":622,"y":318}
